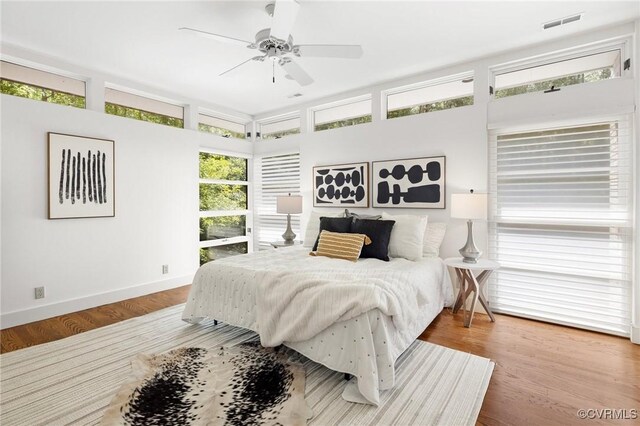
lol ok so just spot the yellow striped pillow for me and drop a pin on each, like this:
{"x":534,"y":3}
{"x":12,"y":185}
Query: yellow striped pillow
{"x":341,"y":245}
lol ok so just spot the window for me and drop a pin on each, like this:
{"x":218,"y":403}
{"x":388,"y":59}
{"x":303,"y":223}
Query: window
{"x":221,"y":127}
{"x":435,"y":95}
{"x":562,"y":224}
{"x":560,"y":73}
{"x":279,"y":127}
{"x":345,"y":113}
{"x":31,"y":83}
{"x":224,"y":206}
{"x":275,"y":175}
{"x":140,"y":108}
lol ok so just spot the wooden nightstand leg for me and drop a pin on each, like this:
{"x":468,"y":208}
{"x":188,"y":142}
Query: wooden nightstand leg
{"x":476,"y":290}
{"x":482,"y":278}
{"x":460,"y":298}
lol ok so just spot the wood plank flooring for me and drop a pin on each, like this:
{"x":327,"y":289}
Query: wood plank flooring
{"x":544,"y":373}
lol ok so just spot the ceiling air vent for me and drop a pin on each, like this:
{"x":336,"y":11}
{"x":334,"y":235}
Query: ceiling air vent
{"x":562,"y":21}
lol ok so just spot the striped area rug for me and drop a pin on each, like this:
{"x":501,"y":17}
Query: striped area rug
{"x":71,"y":381}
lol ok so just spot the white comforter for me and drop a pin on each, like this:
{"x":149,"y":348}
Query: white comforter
{"x":279,"y":293}
{"x":294,"y":306}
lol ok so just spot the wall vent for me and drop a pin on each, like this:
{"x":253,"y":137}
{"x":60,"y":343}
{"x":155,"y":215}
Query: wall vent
{"x":562,"y":21}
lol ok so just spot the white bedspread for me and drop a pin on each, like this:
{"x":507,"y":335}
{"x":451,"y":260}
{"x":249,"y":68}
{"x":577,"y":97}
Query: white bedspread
{"x":365,"y":345}
{"x":293,"y":306}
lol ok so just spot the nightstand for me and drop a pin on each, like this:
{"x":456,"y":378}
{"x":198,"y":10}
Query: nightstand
{"x":470,"y":283}
{"x":277,"y":244}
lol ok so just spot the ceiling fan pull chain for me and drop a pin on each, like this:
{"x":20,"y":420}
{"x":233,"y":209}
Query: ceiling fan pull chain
{"x":273,"y":70}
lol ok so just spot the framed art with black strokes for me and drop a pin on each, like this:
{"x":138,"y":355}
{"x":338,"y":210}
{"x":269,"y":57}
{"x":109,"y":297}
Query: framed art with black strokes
{"x":342,"y":185}
{"x":411,"y":183}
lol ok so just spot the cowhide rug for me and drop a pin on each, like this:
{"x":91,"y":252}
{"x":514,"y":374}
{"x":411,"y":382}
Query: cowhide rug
{"x":242,"y":385}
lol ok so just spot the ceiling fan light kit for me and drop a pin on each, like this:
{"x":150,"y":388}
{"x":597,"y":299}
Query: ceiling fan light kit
{"x":276,"y":43}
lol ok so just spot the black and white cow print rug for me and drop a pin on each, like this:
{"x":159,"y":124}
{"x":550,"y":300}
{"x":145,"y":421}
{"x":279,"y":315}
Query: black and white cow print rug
{"x":241,"y":385}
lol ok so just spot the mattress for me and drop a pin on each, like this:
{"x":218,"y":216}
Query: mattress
{"x":365,"y":346}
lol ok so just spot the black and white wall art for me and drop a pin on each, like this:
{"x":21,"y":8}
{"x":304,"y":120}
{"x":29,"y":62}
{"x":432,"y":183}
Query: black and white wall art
{"x":411,"y":183}
{"x":344,"y":185}
{"x":81,"y":177}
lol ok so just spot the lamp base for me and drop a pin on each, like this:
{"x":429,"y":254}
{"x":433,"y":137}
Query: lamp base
{"x":288,"y":235}
{"x":470,"y":252}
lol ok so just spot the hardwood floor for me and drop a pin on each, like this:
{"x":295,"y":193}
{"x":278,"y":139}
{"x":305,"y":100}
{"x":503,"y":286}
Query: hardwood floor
{"x":63,"y":326}
{"x":544,"y":373}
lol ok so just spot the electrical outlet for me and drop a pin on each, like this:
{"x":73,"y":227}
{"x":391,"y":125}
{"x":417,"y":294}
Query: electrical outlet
{"x":165,"y":269}
{"x":39,"y":292}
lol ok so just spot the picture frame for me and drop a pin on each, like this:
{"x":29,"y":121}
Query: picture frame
{"x":341,"y":185}
{"x":81,"y":176}
{"x":402,"y":184}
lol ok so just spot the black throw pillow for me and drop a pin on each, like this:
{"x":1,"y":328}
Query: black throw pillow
{"x":333,"y":224}
{"x":379,"y":231}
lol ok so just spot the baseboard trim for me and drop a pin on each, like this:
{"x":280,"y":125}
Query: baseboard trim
{"x":11,"y":319}
{"x":635,"y":335}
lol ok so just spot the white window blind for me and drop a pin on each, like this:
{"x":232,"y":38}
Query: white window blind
{"x":343,"y":111}
{"x":130,"y":100}
{"x":561,"y":224}
{"x":47,"y":80}
{"x":274,"y":128}
{"x":222,"y":123}
{"x":274,"y":175}
{"x":429,"y":92}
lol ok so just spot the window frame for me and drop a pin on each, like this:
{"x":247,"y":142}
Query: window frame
{"x":343,"y":102}
{"x":384,"y":94}
{"x":621,"y":43}
{"x":248,"y":213}
{"x":232,"y":119}
{"x":276,"y":119}
{"x":45,"y":70}
{"x":147,"y":96}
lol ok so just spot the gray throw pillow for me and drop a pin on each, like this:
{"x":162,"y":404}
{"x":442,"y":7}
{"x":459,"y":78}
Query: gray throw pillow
{"x":355,"y":216}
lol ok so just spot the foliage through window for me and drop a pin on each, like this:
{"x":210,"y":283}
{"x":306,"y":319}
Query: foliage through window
{"x":224,"y":206}
{"x":30,"y":83}
{"x":569,"y":72}
{"x":128,"y":105}
{"x":437,"y":95}
{"x":139,"y":114}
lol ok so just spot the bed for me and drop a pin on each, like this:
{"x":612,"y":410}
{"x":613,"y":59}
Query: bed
{"x":361,"y":340}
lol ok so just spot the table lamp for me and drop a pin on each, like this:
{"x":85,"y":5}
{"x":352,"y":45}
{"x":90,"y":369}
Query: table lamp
{"x":289,"y":204}
{"x":469,"y":206}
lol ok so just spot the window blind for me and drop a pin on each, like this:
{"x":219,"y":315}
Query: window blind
{"x":274,"y":176}
{"x":561,"y":224}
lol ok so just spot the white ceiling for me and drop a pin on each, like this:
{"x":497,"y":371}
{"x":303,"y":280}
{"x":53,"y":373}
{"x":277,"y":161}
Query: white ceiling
{"x":140,"y":41}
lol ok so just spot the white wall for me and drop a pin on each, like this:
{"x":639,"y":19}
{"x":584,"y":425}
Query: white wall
{"x":429,"y":135}
{"x":89,"y":262}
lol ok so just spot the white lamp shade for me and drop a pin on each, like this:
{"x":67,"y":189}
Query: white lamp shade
{"x":289,"y":204}
{"x":469,"y":206}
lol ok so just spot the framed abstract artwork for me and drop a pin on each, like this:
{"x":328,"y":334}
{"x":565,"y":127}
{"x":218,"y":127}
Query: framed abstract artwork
{"x":81,"y":177}
{"x":343,"y":185}
{"x":411,"y":183}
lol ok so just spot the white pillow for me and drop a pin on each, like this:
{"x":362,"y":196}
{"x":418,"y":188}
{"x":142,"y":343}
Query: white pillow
{"x":407,"y":235}
{"x":433,"y":237}
{"x":313,"y":227}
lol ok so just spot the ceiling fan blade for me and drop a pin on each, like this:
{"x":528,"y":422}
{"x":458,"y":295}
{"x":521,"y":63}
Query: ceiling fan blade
{"x":241,"y":63}
{"x":348,"y":51}
{"x":218,"y":37}
{"x":297,"y":73}
{"x":284,"y":16}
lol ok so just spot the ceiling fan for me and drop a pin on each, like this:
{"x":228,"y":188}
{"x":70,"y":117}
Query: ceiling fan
{"x":276,"y":43}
